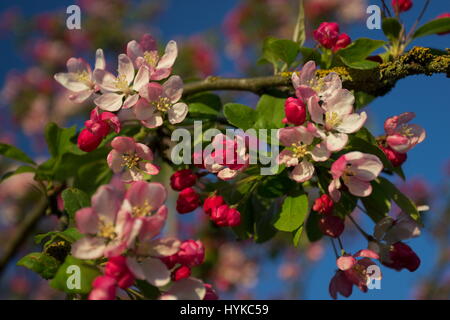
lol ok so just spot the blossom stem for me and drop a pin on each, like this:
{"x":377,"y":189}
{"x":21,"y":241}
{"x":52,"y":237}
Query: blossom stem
{"x":365,"y":234}
{"x":334,"y":247}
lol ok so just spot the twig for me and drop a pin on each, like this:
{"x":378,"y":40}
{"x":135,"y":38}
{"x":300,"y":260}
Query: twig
{"x":424,"y":9}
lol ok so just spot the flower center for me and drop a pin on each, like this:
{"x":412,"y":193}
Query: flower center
{"x":107,"y":230}
{"x":122,"y":84}
{"x":299,"y":150}
{"x":360,"y":270}
{"x":163,"y":104}
{"x":406,"y":131}
{"x":332,"y":119}
{"x":130,"y":160}
{"x":84,"y":77}
{"x":151,"y":57}
{"x":142,"y":211}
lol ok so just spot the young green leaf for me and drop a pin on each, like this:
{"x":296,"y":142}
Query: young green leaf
{"x":392,"y":28}
{"x":240,"y":115}
{"x":354,"y":56}
{"x":293,"y":213}
{"x":14,"y":153}
{"x":74,"y":200}
{"x":280,"y":50}
{"x":41,"y":263}
{"x":433,"y":27}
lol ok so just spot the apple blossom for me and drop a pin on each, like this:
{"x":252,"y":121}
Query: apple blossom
{"x":159,"y":100}
{"x":396,"y":158}
{"x":88,"y":141}
{"x":400,"y":135}
{"x":295,"y":110}
{"x":300,"y":152}
{"x":116,"y":268}
{"x":145,"y":53}
{"x":123,"y":90}
{"x":340,"y":284}
{"x":191,"y":253}
{"x":356,"y":169}
{"x":182,"y":179}
{"x":79,"y":79}
{"x":188,"y":200}
{"x":327,"y":34}
{"x":342,"y":42}
{"x":224,"y":216}
{"x":102,"y":123}
{"x":104,"y":288}
{"x":323,"y":205}
{"x":131,"y":158}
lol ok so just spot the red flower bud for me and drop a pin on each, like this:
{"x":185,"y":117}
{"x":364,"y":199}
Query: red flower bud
{"x":212,"y":203}
{"x":191,"y":253}
{"x":182,"y":179}
{"x":342,"y":42}
{"x":401,"y":5}
{"x":210,"y":293}
{"x":327,"y":34}
{"x":331,"y":226}
{"x":402,"y":256}
{"x":170,"y":261}
{"x":188,"y":200}
{"x":87,"y":141}
{"x":117,"y":268}
{"x":324,"y":204}
{"x":224,"y":216}
{"x":103,"y":288}
{"x":182,"y":272}
{"x":396,"y":158}
{"x":295,"y":111}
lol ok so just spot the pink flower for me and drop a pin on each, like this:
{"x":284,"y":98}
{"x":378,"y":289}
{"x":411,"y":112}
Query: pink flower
{"x":123,"y":90}
{"x":102,"y":124}
{"x":356,"y":170}
{"x":109,"y":230}
{"x":131,"y":157}
{"x":401,"y":136}
{"x":323,"y":205}
{"x":340,"y":284}
{"x":441,"y":16}
{"x":228,"y":158}
{"x":401,"y":5}
{"x":182,"y":272}
{"x":185,"y":289}
{"x":79,"y":78}
{"x":342,"y":42}
{"x":396,"y":158}
{"x":116,"y":268}
{"x":88,"y":141}
{"x":161,"y":99}
{"x":104,"y":288}
{"x":295,"y":110}
{"x":401,"y":256}
{"x":331,"y":226}
{"x":300,"y":152}
{"x":327,"y":34}
{"x":210,"y":293}
{"x":188,"y":200}
{"x":224,"y":216}
{"x":191,"y":254}
{"x":145,"y":202}
{"x":182,"y":179}
{"x":212,"y":203}
{"x":145,"y":53}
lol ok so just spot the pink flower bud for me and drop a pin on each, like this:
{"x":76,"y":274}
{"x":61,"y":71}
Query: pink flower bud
{"x":295,"y":110}
{"x":182,"y":179}
{"x":331,"y":226}
{"x":170,"y":261}
{"x":212,"y":203}
{"x":224,"y":216}
{"x":188,"y":200}
{"x":324,"y":204}
{"x":444,"y":15}
{"x":210,"y":293}
{"x":402,"y":5}
{"x":191,"y":253}
{"x":182,"y":272}
{"x":402,"y":256}
{"x":396,"y":158}
{"x":104,"y":288}
{"x":342,"y":42}
{"x":87,"y":141}
{"x":116,"y":268}
{"x":100,"y":128}
{"x":327,"y":34}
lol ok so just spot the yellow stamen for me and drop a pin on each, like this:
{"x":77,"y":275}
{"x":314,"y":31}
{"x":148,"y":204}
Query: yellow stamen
{"x":130,"y":160}
{"x":122,"y":84}
{"x":163,"y":104}
{"x":107,"y":230}
{"x":332,"y":119}
{"x":299,"y":150}
{"x":151,"y":57}
{"x":142,"y":211}
{"x":84,"y":77}
{"x":406,"y":130}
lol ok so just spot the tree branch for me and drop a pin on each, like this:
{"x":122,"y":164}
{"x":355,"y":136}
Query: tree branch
{"x":376,"y":82}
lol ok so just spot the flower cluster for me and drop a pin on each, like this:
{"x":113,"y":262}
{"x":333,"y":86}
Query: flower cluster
{"x":329,"y":37}
{"x":220,"y":213}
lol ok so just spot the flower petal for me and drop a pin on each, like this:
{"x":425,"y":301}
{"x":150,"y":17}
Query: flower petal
{"x":169,"y":57}
{"x":142,"y":78}
{"x":126,"y":68}
{"x":86,"y":221}
{"x":177,"y":113}
{"x":187,"y":289}
{"x":352,"y":123}
{"x":109,"y":101}
{"x":303,"y":171}
{"x":88,"y":248}
{"x":156,"y":272}
{"x":336,"y":141}
{"x":173,"y":88}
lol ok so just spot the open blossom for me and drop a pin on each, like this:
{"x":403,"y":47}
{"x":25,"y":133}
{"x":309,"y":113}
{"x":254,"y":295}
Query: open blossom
{"x":145,"y":53}
{"x":123,"y":90}
{"x":228,"y":158}
{"x":299,"y":151}
{"x":109,"y":231}
{"x":402,"y":136}
{"x":356,"y":170}
{"x":131,"y":158}
{"x":79,"y":78}
{"x":159,"y":100}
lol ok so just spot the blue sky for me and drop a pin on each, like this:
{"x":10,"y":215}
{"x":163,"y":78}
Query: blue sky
{"x":428,"y":97}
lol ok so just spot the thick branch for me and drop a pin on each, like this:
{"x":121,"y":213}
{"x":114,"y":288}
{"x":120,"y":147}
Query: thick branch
{"x":376,"y":82}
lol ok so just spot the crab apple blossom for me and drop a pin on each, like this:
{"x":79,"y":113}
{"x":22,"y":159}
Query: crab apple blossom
{"x":402,"y":136}
{"x":393,"y":230}
{"x":212,"y":203}
{"x":182,"y":179}
{"x":182,"y":272}
{"x":401,"y":256}
{"x":188,"y":200}
{"x":331,"y":226}
{"x":79,"y":79}
{"x":228,"y":158}
{"x":323,"y":205}
{"x":109,"y":231}
{"x":131,"y":158}
{"x":300,"y":152}
{"x":356,"y":169}
{"x":104,"y":288}
{"x":145,"y":53}
{"x":327,"y":34}
{"x":191,"y":253}
{"x":117,"y":268}
{"x":342,"y":42}
{"x":401,"y":5}
{"x":159,"y":100}
{"x":396,"y":158}
{"x":295,"y":110}
{"x":123,"y":90}
{"x":444,"y":15}
{"x":88,"y":141}
{"x":224,"y":216}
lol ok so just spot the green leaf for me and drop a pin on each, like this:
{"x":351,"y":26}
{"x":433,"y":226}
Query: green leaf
{"x":293,"y":213}
{"x":312,"y":227}
{"x":264,"y":220}
{"x":19,"y":170}
{"x":61,"y":140}
{"x":309,"y":54}
{"x":392,"y":28}
{"x":296,"y":236}
{"x":354,"y":56}
{"x":74,"y":200}
{"x":92,"y":175}
{"x":14,"y":153}
{"x":378,"y":204}
{"x":240,"y":115}
{"x":280,"y":50}
{"x":404,"y":203}
{"x":66,"y":276}
{"x":433,"y":27}
{"x":41,"y":263}
{"x":205,"y":105}
{"x":269,"y":112}
{"x":275,"y":186}
{"x":346,"y":205}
